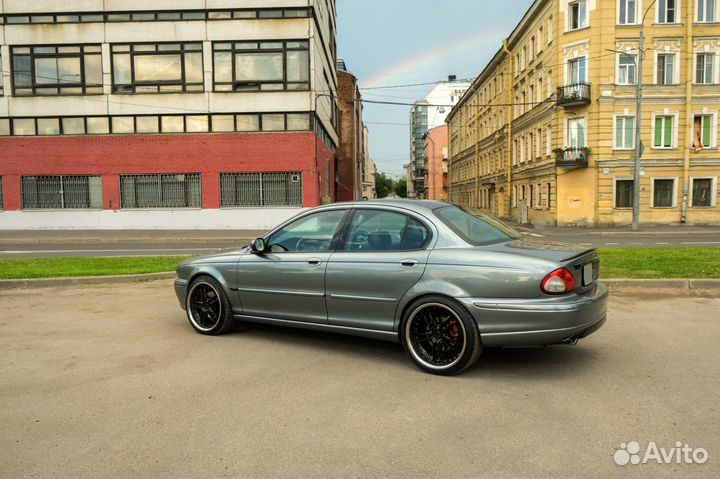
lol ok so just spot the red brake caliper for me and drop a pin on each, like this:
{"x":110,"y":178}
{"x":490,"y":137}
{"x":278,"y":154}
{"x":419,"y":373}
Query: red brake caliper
{"x":454,"y":330}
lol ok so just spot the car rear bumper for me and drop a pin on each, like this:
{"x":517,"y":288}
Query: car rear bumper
{"x":540,"y":321}
{"x":181,"y":291}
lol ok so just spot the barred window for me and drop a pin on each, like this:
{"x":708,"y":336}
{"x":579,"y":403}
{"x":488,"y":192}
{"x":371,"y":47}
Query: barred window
{"x":160,"y":191}
{"x":623,"y":193}
{"x":66,"y":192}
{"x":663,"y":193}
{"x":57,"y":70}
{"x":157,"y":67}
{"x":702,"y":192}
{"x":261,"y":66}
{"x":260,"y":189}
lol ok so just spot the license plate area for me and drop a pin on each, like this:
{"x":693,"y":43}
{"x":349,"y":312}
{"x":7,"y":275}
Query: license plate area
{"x":587,"y":274}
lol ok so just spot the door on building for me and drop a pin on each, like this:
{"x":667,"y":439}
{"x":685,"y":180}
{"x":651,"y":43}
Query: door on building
{"x":288,"y":281}
{"x":380,"y":257}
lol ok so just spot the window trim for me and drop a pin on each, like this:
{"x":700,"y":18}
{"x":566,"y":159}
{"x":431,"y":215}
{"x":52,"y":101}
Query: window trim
{"x":585,"y":131}
{"x":675,"y":73}
{"x":678,"y":13}
{"x":674,"y":129}
{"x":697,"y":12}
{"x":638,"y":9}
{"x":615,"y":131}
{"x":634,"y":58}
{"x":713,"y":190}
{"x":674,"y":192}
{"x":713,"y":73}
{"x":345,"y":230}
{"x":284,"y":50}
{"x":569,"y":19}
{"x":615,"y":196}
{"x":134,"y":83}
{"x":31,"y":91}
{"x":713,"y":128}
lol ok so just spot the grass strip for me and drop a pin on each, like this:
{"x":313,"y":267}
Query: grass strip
{"x":660,"y":263}
{"x":75,"y":267}
{"x":629,"y":263}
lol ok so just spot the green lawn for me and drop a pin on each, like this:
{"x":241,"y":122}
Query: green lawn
{"x":68,"y":267}
{"x":648,"y":263}
{"x":638,"y":263}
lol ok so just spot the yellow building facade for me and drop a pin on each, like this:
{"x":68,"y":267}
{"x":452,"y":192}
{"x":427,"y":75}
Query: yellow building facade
{"x":546,"y":133}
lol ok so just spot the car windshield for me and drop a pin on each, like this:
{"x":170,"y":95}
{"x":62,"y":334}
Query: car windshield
{"x":474,"y":226}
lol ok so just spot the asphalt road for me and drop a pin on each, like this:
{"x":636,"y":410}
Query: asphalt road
{"x":110,"y":381}
{"x":172,"y":248}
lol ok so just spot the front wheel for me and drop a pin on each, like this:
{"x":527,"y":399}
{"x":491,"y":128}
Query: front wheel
{"x":208,"y":307}
{"x":440,"y":336}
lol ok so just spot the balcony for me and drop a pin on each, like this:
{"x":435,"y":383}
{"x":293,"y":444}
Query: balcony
{"x":575,"y":94}
{"x":572,"y":157}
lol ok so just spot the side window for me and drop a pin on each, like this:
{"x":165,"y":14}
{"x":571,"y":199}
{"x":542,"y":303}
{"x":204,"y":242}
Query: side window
{"x":376,"y":230}
{"x":310,"y":233}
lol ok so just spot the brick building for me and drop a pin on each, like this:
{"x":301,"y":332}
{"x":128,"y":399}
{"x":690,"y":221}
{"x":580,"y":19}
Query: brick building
{"x":351,"y":146}
{"x":436,"y":167}
{"x":155,"y":114}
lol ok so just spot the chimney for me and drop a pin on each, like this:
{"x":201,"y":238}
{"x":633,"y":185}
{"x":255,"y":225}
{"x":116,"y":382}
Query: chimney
{"x":452,"y":77}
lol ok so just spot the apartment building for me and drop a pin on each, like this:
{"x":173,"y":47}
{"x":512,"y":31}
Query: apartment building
{"x":350,"y":155}
{"x":436,"y":156}
{"x":425,"y":114}
{"x":546,"y":133}
{"x":158,"y":114}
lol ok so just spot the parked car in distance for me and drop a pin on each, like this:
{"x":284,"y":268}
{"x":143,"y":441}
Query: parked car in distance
{"x":443,"y":280}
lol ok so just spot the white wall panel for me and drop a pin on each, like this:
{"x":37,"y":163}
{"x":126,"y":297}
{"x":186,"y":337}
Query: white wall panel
{"x":155,"y":32}
{"x":280,"y":101}
{"x":54,"y":34}
{"x":58,"y":105}
{"x":295,"y":28}
{"x":48,"y":6}
{"x":124,"y":5}
{"x":241,"y":218}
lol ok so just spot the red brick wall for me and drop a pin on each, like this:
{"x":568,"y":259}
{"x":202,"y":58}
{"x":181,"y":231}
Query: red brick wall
{"x":208,"y":154}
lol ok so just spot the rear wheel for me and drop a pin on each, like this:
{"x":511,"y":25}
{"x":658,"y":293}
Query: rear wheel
{"x":208,"y":307}
{"x":440,"y":336}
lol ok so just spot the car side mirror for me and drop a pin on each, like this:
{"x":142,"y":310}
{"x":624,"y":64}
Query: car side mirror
{"x":258,"y":246}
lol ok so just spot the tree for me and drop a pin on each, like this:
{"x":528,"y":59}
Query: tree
{"x":384,"y":185}
{"x":401,"y":188}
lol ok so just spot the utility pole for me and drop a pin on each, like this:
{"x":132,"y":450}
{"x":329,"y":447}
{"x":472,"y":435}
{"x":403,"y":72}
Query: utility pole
{"x":638,"y":122}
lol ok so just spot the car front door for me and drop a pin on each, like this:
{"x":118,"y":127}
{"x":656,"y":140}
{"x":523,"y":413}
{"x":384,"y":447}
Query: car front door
{"x":287,"y":281}
{"x":383,"y":255}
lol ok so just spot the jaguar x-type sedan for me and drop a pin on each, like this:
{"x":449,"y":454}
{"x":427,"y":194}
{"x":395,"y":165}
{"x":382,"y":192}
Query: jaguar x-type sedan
{"x":444,"y":281}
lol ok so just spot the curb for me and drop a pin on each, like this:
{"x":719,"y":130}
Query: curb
{"x":82,"y":281}
{"x":689,"y":284}
{"x":240,"y":240}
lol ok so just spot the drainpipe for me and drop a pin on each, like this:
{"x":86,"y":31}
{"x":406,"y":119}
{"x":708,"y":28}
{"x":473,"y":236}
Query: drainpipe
{"x":689,"y":128}
{"x":508,"y":148}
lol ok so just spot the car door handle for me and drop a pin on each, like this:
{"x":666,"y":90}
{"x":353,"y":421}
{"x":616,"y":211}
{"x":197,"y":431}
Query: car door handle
{"x":408,"y":263}
{"x":314,"y":261}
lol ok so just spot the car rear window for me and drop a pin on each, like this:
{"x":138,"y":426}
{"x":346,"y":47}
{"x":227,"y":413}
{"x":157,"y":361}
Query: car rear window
{"x":474,"y":226}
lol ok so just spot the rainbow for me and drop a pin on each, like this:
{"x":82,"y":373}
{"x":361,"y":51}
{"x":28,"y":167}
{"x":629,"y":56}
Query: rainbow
{"x":415,"y":64}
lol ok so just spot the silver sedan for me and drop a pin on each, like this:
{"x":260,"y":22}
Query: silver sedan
{"x":444,"y":281}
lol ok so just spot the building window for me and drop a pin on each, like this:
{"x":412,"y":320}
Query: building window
{"x":57,"y":70}
{"x":577,"y":12}
{"x":627,"y":12}
{"x":1,"y":76}
{"x":705,"y":10}
{"x":666,"y":69}
{"x":624,"y":132}
{"x":160,"y":191}
{"x":548,"y":140}
{"x":704,"y":68}
{"x":576,"y":133}
{"x":61,"y":192}
{"x":261,"y":66}
{"x":664,"y":127}
{"x":627,"y":69}
{"x":260,"y":189}
{"x":623,"y":193}
{"x":703,"y":192}
{"x":663,"y":193}
{"x":577,"y":70}
{"x":164,"y":16}
{"x":703,"y":130}
{"x":157,"y":67}
{"x":667,"y":11}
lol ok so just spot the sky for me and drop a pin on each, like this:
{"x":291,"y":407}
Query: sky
{"x":399,"y":42}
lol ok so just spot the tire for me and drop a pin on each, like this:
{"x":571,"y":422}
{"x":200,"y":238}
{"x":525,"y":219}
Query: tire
{"x":208,"y":307}
{"x":440,"y":336}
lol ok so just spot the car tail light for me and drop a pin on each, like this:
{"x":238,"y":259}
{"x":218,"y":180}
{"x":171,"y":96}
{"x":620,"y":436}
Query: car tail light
{"x":558,"y":282}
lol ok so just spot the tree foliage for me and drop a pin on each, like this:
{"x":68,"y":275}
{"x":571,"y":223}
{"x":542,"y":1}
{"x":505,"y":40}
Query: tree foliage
{"x":401,"y":188}
{"x":384,"y":185}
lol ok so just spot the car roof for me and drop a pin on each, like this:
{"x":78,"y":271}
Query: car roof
{"x":418,"y":206}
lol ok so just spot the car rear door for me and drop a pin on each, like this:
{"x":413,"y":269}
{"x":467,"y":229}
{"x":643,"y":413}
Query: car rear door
{"x":381,"y":256}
